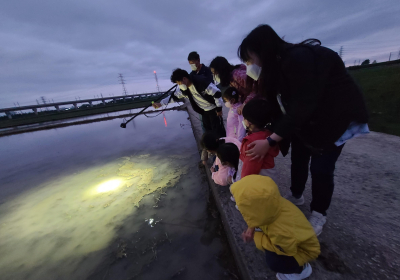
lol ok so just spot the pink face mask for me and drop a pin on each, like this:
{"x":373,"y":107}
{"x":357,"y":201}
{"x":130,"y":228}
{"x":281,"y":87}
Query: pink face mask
{"x":228,"y":104}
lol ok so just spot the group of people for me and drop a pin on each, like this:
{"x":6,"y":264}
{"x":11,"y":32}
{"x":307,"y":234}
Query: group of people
{"x":285,"y":95}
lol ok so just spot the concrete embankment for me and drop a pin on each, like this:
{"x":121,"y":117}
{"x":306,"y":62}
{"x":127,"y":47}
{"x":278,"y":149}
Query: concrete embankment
{"x":360,"y":239}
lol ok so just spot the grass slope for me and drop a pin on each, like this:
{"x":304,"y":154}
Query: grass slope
{"x":381,"y":88}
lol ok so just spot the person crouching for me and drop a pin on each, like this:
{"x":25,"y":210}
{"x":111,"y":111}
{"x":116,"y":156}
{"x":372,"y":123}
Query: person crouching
{"x":286,"y":236}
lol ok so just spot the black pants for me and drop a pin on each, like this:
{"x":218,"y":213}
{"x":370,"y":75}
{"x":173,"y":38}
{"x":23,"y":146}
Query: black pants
{"x":282,"y":264}
{"x":322,"y":172}
{"x":214,"y":123}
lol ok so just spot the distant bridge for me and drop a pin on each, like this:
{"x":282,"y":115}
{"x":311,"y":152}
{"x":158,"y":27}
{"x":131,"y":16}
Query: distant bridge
{"x":134,"y":97}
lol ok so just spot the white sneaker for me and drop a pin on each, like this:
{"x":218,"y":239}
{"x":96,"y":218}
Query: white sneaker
{"x":232,"y":198}
{"x":295,"y":201}
{"x":304,"y":274}
{"x":317,"y":220}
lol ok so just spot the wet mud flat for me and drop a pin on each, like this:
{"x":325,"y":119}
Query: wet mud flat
{"x":96,"y":201}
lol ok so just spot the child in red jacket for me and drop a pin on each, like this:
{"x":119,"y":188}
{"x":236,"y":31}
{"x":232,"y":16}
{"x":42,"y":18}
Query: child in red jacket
{"x":257,"y":117}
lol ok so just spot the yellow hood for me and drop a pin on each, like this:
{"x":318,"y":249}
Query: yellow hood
{"x":258,"y":199}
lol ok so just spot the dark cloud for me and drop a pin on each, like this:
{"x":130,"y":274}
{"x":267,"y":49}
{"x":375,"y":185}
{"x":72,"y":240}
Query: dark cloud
{"x":62,"y":49}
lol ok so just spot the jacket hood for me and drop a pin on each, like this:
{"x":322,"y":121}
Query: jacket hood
{"x":258,"y":200}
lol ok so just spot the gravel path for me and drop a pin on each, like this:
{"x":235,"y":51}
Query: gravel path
{"x":361,"y":237}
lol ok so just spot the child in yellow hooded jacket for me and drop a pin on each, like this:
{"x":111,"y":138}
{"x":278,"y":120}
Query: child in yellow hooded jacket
{"x":287,"y":237}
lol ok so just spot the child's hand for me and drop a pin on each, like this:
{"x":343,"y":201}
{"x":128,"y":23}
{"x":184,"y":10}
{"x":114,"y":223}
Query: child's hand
{"x":212,"y":169}
{"x":248,"y":235}
{"x":156,"y":105}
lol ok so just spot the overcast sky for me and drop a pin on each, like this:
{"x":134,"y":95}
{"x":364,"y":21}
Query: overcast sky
{"x":67,"y":49}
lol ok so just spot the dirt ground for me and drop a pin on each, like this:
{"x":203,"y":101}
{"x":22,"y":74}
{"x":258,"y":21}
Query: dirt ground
{"x":361,"y":237}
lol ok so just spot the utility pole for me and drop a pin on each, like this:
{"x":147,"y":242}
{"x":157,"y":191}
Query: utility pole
{"x":341,"y":52}
{"x":158,"y":87}
{"x":390,"y":55}
{"x":122,"y":82}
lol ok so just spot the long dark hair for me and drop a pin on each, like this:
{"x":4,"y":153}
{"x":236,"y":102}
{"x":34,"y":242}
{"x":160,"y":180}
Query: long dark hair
{"x":229,"y":152}
{"x":224,"y":69}
{"x":268,"y":46}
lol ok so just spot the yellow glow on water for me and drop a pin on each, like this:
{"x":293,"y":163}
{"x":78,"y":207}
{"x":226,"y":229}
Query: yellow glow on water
{"x":109,"y":185}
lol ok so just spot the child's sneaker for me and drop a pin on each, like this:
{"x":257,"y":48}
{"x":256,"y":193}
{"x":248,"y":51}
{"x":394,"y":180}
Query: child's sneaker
{"x":317,"y":220}
{"x":232,"y":198}
{"x":304,"y":274}
{"x":295,"y":201}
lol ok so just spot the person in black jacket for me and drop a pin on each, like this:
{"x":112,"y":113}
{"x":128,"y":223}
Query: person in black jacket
{"x":204,"y":97}
{"x":318,"y":108}
{"x":199,"y":68}
{"x":202,"y":70}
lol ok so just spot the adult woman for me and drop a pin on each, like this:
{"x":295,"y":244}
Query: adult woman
{"x":320,"y":104}
{"x":226,"y":74}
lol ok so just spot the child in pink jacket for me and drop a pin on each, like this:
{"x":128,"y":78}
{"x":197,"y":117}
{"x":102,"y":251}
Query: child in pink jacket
{"x":210,"y":142}
{"x":234,"y":127}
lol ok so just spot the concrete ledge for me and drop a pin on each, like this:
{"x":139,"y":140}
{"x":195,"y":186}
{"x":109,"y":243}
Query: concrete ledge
{"x":249,"y":260}
{"x":360,"y":239}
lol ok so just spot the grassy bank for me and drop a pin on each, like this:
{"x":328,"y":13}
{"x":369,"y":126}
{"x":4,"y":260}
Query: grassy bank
{"x":381,"y":88}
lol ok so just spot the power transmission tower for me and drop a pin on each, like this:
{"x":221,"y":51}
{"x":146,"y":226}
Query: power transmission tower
{"x":398,"y":56}
{"x":341,"y":52}
{"x":122,"y":82}
{"x":355,"y":61}
{"x":44,"y":101}
{"x":390,"y":55}
{"x":158,"y":87}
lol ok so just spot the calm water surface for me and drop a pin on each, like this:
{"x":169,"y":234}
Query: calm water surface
{"x":96,"y":201}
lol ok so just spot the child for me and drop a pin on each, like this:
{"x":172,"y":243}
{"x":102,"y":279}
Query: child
{"x":210,"y":142}
{"x":256,"y":118}
{"x":286,"y":236}
{"x":234,"y":127}
{"x":229,"y":154}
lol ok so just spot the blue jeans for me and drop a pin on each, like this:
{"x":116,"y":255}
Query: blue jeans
{"x":322,"y":169}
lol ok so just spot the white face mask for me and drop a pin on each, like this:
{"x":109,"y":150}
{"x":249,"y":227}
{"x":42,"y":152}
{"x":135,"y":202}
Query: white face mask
{"x":183,"y":87}
{"x":228,"y":104}
{"x":217,"y":79}
{"x":193,"y":66}
{"x":244,"y":125}
{"x":253,"y":71}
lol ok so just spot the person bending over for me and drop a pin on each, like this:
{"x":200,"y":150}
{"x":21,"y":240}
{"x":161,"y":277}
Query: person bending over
{"x":204,"y":97}
{"x":210,"y":143}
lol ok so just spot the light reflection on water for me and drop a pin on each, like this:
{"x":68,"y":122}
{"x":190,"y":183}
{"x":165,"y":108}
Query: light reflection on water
{"x":75,"y":203}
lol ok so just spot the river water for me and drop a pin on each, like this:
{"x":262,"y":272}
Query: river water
{"x":96,"y":201}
